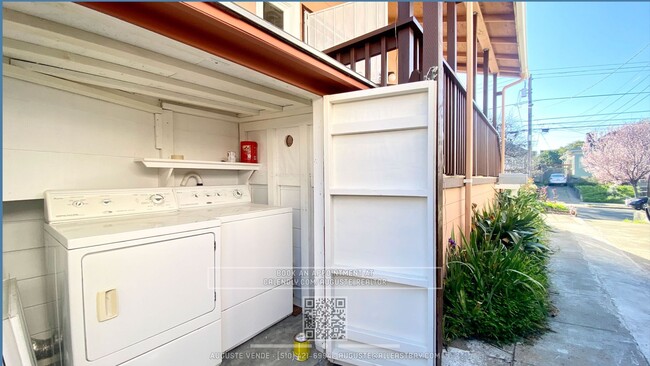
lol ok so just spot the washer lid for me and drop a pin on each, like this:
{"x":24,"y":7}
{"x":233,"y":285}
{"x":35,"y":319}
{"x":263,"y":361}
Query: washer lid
{"x":243,"y":211}
{"x":87,"y":233}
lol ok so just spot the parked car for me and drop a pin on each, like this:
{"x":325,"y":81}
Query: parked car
{"x":557,"y":178}
{"x":641,"y":204}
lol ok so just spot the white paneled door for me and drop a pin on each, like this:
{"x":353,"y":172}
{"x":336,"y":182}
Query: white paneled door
{"x":378,"y":218}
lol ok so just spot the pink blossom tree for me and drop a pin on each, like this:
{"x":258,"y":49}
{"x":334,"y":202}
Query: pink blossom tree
{"x":619,"y":156}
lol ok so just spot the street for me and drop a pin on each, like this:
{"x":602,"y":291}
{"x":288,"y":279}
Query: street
{"x":602,"y":213}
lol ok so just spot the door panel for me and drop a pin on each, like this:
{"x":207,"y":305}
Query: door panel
{"x":258,"y":254}
{"x":134,"y":293}
{"x":379,"y":199}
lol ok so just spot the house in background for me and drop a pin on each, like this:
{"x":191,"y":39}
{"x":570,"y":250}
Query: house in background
{"x":573,"y":164}
{"x":94,"y":92}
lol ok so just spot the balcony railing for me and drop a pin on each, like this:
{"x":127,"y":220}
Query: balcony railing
{"x":376,"y":45}
{"x":358,"y":54}
{"x":487,"y":159}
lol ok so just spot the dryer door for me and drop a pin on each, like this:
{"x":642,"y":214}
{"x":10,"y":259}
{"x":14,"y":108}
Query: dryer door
{"x":134,"y":293}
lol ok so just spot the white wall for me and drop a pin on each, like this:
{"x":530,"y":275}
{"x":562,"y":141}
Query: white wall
{"x":284,"y":180}
{"x":201,"y":138}
{"x":59,"y":140}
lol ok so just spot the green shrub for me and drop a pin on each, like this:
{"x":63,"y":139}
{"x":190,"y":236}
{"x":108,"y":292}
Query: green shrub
{"x":514,"y":219}
{"x":605,"y":194}
{"x":494,"y":292}
{"x":582,"y":182}
{"x":555,"y":206}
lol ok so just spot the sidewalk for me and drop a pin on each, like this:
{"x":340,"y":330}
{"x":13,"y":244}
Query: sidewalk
{"x":592,"y":326}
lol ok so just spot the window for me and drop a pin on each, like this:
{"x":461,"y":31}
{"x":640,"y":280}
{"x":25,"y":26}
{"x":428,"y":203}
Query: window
{"x":273,"y":15}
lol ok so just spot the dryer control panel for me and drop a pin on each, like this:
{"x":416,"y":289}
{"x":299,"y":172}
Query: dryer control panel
{"x":205,"y":196}
{"x":77,"y":205}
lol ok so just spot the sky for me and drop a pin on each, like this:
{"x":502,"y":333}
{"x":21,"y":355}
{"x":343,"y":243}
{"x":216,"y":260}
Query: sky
{"x":584,"y":49}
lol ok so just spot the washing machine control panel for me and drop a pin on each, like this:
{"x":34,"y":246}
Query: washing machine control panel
{"x":211,"y":195}
{"x":75,"y":205}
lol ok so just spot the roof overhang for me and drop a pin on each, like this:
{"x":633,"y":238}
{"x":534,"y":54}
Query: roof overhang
{"x":224,"y":32}
{"x":501,"y":28}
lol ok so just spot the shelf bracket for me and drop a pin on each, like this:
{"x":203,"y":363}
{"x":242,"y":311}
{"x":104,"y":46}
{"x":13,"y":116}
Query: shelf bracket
{"x":165,"y":177}
{"x":245,"y":176}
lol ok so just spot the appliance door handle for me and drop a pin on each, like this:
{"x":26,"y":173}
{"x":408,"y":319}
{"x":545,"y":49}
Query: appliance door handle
{"x":107,"y":305}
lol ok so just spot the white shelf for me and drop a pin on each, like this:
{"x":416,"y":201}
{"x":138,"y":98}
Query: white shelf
{"x":167,"y":167}
{"x":196,"y":164}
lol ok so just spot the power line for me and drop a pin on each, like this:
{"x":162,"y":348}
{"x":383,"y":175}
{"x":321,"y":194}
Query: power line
{"x":592,"y":70}
{"x":590,"y":115}
{"x":573,"y":123}
{"x":585,"y":66}
{"x":596,"y":126}
{"x":628,"y":102}
{"x":619,"y":98}
{"x":594,"y":74}
{"x":603,"y":79}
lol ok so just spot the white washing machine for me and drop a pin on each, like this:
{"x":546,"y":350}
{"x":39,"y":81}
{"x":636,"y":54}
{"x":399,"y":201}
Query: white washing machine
{"x":135,"y":282}
{"x":256,"y":258}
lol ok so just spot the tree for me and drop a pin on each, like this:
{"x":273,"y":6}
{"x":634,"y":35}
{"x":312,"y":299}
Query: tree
{"x":574,"y":145}
{"x":516,"y":150}
{"x":619,"y":156}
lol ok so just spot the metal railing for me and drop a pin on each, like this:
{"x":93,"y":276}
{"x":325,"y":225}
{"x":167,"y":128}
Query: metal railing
{"x":487,"y":157}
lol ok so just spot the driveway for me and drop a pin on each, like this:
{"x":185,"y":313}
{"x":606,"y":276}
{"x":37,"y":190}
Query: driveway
{"x":600,"y":285}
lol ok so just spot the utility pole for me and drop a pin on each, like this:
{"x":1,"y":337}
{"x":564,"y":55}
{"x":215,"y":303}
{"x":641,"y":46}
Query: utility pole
{"x":530,"y":124}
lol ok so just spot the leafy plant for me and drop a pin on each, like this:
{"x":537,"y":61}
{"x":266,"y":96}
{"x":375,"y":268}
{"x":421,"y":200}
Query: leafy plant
{"x":494,"y":292}
{"x":555,"y":206}
{"x":605,"y":194}
{"x":514,"y":219}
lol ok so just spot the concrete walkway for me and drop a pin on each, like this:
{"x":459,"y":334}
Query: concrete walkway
{"x":603,"y":308}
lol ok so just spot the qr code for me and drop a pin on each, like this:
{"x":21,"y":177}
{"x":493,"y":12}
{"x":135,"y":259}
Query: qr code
{"x":324,"y":318}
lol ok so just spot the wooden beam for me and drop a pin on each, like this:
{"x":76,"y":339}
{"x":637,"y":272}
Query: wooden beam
{"x":72,"y":87}
{"x":452,"y":47}
{"x":499,"y":18}
{"x":488,"y":18}
{"x":97,"y":46}
{"x":502,"y":56}
{"x":484,"y":37}
{"x":504,"y":40}
{"x":199,"y":112}
{"x":406,"y":43}
{"x":132,"y":88}
{"x":66,"y":60}
{"x":432,"y":49}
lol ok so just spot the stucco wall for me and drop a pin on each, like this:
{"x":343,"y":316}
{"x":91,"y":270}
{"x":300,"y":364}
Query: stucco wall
{"x":454,"y":207}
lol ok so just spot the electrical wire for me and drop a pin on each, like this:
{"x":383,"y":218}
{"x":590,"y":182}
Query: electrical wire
{"x":602,"y":79}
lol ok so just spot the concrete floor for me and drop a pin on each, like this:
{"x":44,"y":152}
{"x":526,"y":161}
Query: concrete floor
{"x":273,"y":347}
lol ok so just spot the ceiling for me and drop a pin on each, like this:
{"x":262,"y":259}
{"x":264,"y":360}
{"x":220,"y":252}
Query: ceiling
{"x":65,"y":41}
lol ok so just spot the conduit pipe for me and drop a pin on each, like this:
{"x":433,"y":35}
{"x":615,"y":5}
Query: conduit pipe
{"x":503,"y":120}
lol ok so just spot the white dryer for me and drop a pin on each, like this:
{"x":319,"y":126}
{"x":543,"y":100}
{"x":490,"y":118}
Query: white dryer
{"x":135,"y":282}
{"x":256,"y":258}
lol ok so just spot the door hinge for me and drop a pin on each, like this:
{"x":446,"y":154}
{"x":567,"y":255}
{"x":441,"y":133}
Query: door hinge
{"x":215,"y":296}
{"x":215,"y":245}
